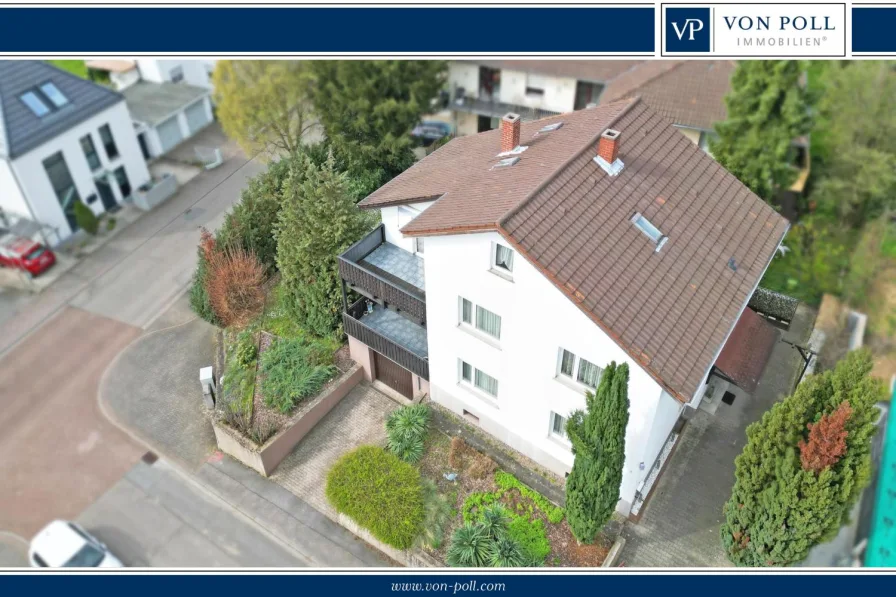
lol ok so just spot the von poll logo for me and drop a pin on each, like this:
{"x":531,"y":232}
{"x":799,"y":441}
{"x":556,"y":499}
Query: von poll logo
{"x":762,"y":29}
{"x":687,"y":30}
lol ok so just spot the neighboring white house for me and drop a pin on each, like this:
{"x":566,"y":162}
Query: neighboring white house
{"x":123,"y":73}
{"x":511,"y":266}
{"x":689,"y":93}
{"x":167,"y":114}
{"x":169,"y":100}
{"x":62,"y":140}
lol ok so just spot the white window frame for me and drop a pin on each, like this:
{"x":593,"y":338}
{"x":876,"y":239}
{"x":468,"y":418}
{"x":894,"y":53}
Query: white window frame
{"x":419,"y":244}
{"x":573,"y":380}
{"x":561,"y":437}
{"x":176,"y":74}
{"x":500,"y":270}
{"x":471,"y":384}
{"x":472,"y":326}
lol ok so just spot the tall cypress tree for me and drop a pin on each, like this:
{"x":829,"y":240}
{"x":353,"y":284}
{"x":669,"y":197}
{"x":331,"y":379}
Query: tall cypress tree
{"x":794,"y":485}
{"x":768,"y":107}
{"x":318,"y":220}
{"x":598,"y":442}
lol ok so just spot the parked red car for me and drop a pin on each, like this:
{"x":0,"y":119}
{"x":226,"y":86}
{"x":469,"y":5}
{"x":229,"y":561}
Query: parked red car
{"x":25,"y":254}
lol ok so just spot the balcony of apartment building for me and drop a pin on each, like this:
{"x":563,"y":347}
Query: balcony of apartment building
{"x":485,"y":101}
{"x":387,"y":325}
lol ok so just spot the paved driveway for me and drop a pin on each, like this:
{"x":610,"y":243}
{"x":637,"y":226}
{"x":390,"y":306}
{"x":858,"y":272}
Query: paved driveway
{"x":680,"y":524}
{"x":57,"y":452}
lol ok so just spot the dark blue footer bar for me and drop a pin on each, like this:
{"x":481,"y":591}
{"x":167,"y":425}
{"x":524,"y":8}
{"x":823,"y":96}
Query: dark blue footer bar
{"x":219,"y":30}
{"x":383,"y":584}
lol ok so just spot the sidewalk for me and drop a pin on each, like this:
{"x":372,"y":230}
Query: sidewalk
{"x":152,"y":391}
{"x":290,"y":519}
{"x":152,"y":387}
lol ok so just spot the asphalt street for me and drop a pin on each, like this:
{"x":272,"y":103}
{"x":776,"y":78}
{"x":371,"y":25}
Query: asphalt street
{"x":58,"y":453}
{"x":157,"y":517}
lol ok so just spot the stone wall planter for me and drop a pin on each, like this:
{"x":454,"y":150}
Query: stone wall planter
{"x":265,"y":459}
{"x":148,"y":198}
{"x":412,"y":558}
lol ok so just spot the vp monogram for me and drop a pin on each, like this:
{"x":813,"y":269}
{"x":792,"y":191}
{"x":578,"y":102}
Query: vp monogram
{"x":691,"y":26}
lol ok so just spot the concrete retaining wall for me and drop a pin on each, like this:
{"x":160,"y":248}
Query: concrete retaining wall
{"x":265,"y":459}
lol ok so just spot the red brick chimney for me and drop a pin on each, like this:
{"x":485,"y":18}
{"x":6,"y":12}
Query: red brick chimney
{"x":608,"y":146}
{"x":510,"y":132}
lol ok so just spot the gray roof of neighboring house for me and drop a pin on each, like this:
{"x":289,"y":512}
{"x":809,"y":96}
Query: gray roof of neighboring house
{"x":151,"y":103}
{"x":22,"y":130}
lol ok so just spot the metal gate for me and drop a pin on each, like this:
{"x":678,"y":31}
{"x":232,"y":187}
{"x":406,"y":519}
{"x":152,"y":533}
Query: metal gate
{"x":169,"y":133}
{"x":393,"y":375}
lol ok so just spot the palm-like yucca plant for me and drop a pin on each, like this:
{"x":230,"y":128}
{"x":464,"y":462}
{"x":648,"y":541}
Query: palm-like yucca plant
{"x":506,"y":553}
{"x":494,"y":520}
{"x":470,"y":547}
{"x":406,"y":429}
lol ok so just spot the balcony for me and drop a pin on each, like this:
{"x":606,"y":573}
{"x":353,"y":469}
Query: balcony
{"x":496,"y":109}
{"x":390,"y":334}
{"x":385,"y":274}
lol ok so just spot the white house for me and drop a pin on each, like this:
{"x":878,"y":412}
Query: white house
{"x":511,"y":266}
{"x":123,"y":73}
{"x":169,"y":100}
{"x":63,"y":140}
{"x":689,"y":93}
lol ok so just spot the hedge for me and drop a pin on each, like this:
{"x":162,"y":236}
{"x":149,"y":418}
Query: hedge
{"x":380,"y":492}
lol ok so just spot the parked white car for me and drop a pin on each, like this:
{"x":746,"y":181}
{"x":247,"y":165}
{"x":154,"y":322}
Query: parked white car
{"x":63,"y":544}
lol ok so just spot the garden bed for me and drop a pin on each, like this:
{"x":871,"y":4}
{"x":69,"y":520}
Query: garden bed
{"x":540,"y":523}
{"x":261,"y":433}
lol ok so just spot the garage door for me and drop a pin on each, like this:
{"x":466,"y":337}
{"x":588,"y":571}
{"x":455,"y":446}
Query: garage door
{"x":197,"y":117}
{"x":169,"y":133}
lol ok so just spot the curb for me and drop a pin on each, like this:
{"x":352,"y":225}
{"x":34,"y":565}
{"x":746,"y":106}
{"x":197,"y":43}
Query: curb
{"x":614,"y":553}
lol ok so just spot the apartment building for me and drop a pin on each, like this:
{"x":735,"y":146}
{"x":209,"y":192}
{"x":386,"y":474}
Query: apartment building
{"x":512,"y":265}
{"x":690,"y":94}
{"x":63,"y":140}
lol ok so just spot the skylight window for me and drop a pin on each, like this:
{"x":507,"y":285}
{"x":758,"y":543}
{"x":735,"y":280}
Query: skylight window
{"x":550,"y":127}
{"x":34,"y":103}
{"x":52,"y":92}
{"x":505,"y":163}
{"x":651,"y":231}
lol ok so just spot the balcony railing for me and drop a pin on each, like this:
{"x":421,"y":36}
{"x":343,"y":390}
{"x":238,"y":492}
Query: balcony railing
{"x":355,"y":327}
{"x":495,"y":109}
{"x":375,"y":286}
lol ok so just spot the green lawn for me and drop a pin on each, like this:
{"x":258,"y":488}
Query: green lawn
{"x":75,"y":67}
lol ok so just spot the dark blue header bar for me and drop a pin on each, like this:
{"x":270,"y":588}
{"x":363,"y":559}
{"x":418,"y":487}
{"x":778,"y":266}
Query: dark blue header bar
{"x":872,"y":29}
{"x":345,"y":31}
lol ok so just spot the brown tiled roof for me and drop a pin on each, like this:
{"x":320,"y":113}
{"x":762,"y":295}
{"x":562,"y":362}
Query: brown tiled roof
{"x":670,"y":310}
{"x":599,"y":71}
{"x":747,"y":351}
{"x":475,"y":196}
{"x":689,"y":93}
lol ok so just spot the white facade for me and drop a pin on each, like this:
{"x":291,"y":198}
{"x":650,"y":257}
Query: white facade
{"x":24,"y":178}
{"x":537,"y":322}
{"x":191,"y":72}
{"x":151,"y":133}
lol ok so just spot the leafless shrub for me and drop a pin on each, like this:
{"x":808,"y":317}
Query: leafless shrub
{"x":235,"y":284}
{"x":456,"y":452}
{"x":482,"y":467}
